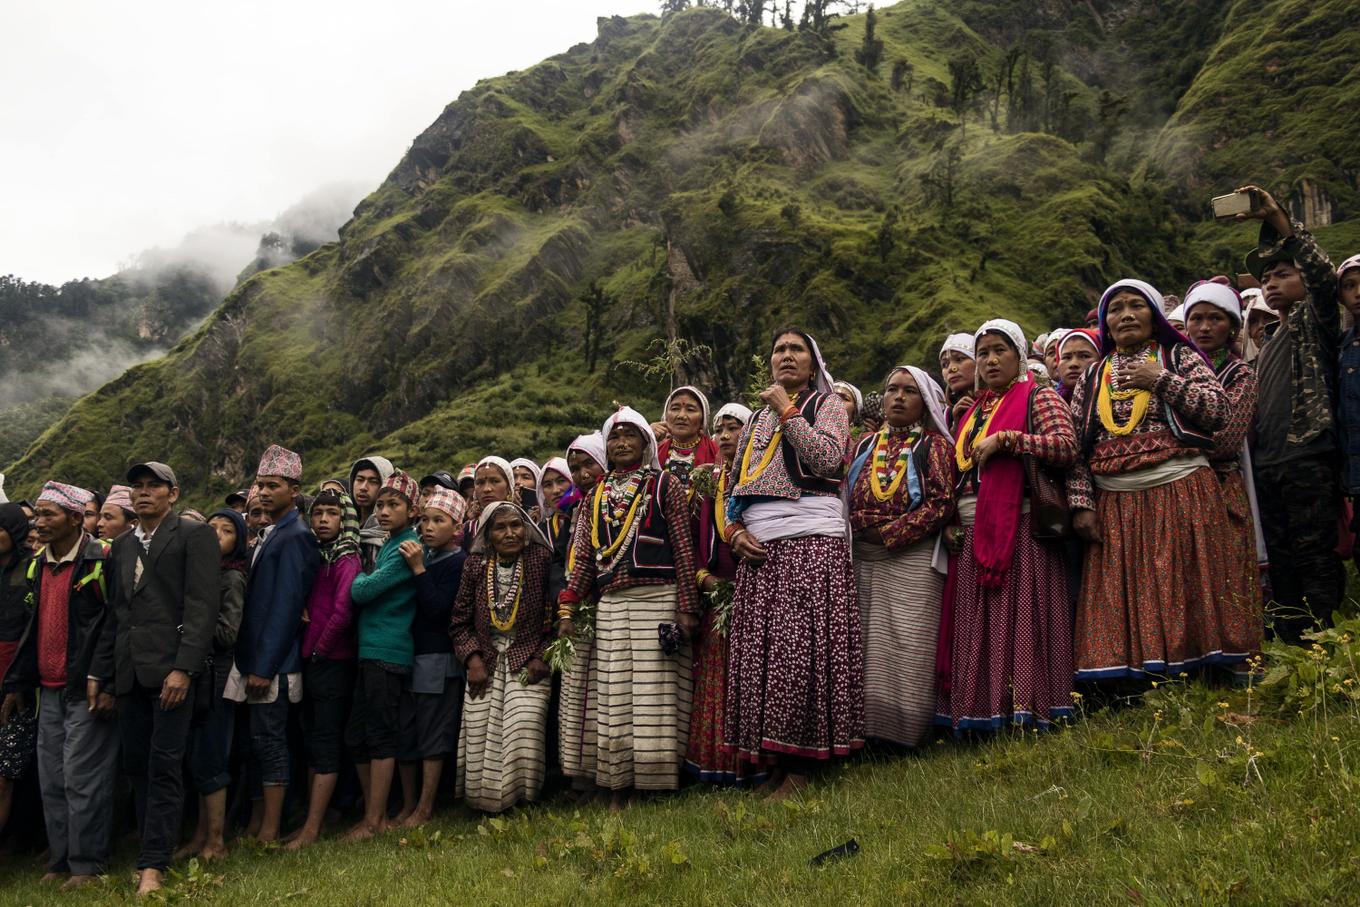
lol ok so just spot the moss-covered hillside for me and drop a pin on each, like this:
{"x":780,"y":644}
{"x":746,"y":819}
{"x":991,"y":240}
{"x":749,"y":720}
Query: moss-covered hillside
{"x":691,"y":178}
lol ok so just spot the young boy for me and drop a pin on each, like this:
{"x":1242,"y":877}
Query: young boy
{"x":386,"y":603}
{"x":431,"y":710}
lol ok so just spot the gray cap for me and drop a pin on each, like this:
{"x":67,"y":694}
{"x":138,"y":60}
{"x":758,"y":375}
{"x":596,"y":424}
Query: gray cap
{"x":159,"y":470}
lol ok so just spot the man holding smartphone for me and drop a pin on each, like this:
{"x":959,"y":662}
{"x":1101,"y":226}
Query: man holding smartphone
{"x":1295,"y":456}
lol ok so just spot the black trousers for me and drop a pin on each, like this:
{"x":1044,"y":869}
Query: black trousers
{"x":1300,"y":503}
{"x":154,"y":742}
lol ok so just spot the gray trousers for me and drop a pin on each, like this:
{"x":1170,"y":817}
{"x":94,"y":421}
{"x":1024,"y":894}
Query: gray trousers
{"x":77,"y":760}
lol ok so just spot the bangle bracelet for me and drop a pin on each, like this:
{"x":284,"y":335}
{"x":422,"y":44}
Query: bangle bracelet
{"x":789,"y":412}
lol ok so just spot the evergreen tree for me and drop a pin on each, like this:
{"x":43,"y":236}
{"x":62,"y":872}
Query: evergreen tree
{"x":871,"y":50}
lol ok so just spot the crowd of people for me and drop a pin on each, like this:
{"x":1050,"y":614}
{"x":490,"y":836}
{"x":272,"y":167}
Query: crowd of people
{"x":733,"y":595}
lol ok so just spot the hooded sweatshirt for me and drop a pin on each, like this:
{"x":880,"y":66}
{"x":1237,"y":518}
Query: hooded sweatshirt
{"x":371,"y":535}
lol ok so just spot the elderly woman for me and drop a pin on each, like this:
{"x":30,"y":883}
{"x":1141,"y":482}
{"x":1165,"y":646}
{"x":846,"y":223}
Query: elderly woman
{"x":959,"y":371}
{"x":1213,"y":315}
{"x":634,"y":549}
{"x":706,"y":758}
{"x":1010,"y":657}
{"x":1144,"y":497}
{"x":499,"y":628}
{"x":684,"y":441}
{"x":795,"y":690}
{"x":901,"y":493}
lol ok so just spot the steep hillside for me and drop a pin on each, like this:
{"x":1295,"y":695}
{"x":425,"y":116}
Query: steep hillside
{"x":689,"y":179}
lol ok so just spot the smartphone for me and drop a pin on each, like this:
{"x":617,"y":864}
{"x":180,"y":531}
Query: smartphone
{"x":1233,"y":204}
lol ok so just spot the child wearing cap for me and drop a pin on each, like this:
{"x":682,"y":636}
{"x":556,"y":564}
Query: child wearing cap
{"x":433,"y":703}
{"x":385,"y":600}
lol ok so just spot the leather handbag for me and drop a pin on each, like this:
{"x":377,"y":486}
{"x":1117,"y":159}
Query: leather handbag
{"x":1049,"y":516}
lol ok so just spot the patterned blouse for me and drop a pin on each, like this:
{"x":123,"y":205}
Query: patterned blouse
{"x":675,"y":510}
{"x":1053,"y":441}
{"x":820,"y":447}
{"x":1189,"y":385}
{"x":470,"y":623}
{"x":1240,"y":388}
{"x":899,"y":526}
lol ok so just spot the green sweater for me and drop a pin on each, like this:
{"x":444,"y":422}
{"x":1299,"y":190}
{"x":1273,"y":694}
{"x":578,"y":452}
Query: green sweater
{"x":386,"y":601}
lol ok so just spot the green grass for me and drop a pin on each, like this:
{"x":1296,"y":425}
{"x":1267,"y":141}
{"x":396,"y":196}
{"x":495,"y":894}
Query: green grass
{"x":1197,"y":796}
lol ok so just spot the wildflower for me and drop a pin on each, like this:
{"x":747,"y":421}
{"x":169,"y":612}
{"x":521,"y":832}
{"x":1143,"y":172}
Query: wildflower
{"x":1154,"y":684}
{"x":1222,"y":705}
{"x":1240,"y":741}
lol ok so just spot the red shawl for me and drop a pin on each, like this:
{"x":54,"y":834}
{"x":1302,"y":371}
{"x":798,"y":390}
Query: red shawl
{"x":1001,"y":489}
{"x":705,"y":453}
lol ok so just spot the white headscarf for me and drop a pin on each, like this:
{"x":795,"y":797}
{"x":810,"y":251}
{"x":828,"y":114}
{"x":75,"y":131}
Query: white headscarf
{"x":532,"y":535}
{"x":3,"y":499}
{"x":627,"y":414}
{"x":503,"y":465}
{"x":854,"y":392}
{"x":960,"y":343}
{"x":694,"y":392}
{"x":1216,"y":294}
{"x":732,"y":411}
{"x":557,"y":465}
{"x":592,"y":445}
{"x":529,"y":465}
{"x":1056,"y":336}
{"x":1177,"y":314}
{"x":937,"y":405}
{"x":1009,"y":329}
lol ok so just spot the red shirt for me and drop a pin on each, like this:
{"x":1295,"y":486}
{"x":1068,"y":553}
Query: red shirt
{"x":53,"y":617}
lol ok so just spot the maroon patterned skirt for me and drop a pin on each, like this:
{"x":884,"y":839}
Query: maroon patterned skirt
{"x":795,"y":674}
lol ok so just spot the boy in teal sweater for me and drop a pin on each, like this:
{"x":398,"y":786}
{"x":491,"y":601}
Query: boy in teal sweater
{"x":385,"y":601}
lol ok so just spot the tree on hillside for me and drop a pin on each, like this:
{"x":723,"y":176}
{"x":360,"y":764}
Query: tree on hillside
{"x":903,"y":73}
{"x":817,"y":16}
{"x":597,"y":303}
{"x":938,"y":185}
{"x":1110,"y":110}
{"x":965,"y":81}
{"x":673,"y":6}
{"x":1003,"y":81}
{"x":871,"y":49}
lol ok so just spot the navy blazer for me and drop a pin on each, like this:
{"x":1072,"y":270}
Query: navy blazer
{"x":281,"y":577}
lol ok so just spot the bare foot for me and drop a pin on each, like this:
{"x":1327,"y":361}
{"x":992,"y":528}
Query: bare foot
{"x":360,"y":832}
{"x":192,"y":849}
{"x":791,"y":786}
{"x":771,"y":783}
{"x":302,"y":837}
{"x":151,"y":881}
{"x":586,"y":797}
{"x":288,"y":838}
{"x":50,"y":877}
{"x":416,"y":819}
{"x":399,"y":820}
{"x":617,"y":801}
{"x":76,"y":881}
{"x":212,"y":852}
{"x":269,"y":838}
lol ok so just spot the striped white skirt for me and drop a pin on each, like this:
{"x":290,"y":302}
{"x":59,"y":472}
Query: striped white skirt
{"x":899,"y":601}
{"x":576,"y":712}
{"x":502,"y":754}
{"x":642,"y":696}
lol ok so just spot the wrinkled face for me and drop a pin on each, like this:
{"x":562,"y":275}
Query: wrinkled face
{"x":257,"y":517}
{"x":903,"y":404}
{"x":849,"y":400}
{"x":506,"y":532}
{"x":1210,"y":327}
{"x":524,"y":477}
{"x":791,"y":361}
{"x":1282,"y":285}
{"x":90,"y":520}
{"x":1350,"y":290}
{"x":327,"y":519}
{"x":998,"y":360}
{"x":554,"y":486}
{"x":226,"y":534}
{"x":1256,"y":327}
{"x":366,"y":485}
{"x":1051,"y":357}
{"x":438,"y":529}
{"x":152,"y":498}
{"x":958,"y":371}
{"x":585,"y":472}
{"x":393,"y":512}
{"x":1077,"y":354}
{"x":729,"y":432}
{"x":685,"y":418}
{"x":55,"y":524}
{"x":491,"y":485}
{"x":625,"y":445}
{"x":113,"y":522}
{"x":275,"y":495}
{"x":1129,"y":319}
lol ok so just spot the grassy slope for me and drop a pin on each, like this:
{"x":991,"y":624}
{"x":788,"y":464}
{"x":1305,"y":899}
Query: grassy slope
{"x":1152,"y":805}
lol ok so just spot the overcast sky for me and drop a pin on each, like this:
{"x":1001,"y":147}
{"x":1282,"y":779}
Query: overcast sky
{"x":125,"y":125}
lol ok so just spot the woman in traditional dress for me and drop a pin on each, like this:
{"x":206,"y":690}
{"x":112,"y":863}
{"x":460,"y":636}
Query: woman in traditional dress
{"x":527,"y":474}
{"x":634,"y":548}
{"x":493,"y":480}
{"x":795,"y":679}
{"x":1010,"y":658}
{"x":706,"y":758}
{"x":500,"y":628}
{"x":683,"y":433}
{"x":1144,"y":497}
{"x":1076,"y":351}
{"x":901,"y":493}
{"x":1213,"y":313}
{"x":587,"y":460}
{"x":959,"y":371}
{"x":556,"y":499}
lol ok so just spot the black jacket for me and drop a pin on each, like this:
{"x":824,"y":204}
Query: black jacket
{"x":435,"y":591}
{"x":165,"y":621}
{"x":92,"y":586}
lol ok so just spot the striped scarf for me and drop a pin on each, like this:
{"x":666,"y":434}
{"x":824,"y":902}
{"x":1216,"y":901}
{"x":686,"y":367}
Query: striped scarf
{"x":347,"y":542}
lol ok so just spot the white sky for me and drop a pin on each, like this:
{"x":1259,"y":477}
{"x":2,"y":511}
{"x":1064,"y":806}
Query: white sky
{"x":125,"y":125}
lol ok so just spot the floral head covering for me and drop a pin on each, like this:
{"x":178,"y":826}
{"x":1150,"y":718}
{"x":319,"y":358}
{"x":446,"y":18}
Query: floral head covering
{"x":347,"y":542}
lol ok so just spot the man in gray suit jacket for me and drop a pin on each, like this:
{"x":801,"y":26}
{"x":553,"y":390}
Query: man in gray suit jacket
{"x":157,"y":640}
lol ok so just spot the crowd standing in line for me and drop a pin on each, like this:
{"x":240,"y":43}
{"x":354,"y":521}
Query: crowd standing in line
{"x":739,"y":596}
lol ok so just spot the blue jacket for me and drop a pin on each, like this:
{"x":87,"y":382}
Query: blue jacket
{"x":281,"y":576}
{"x":1348,"y":409}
